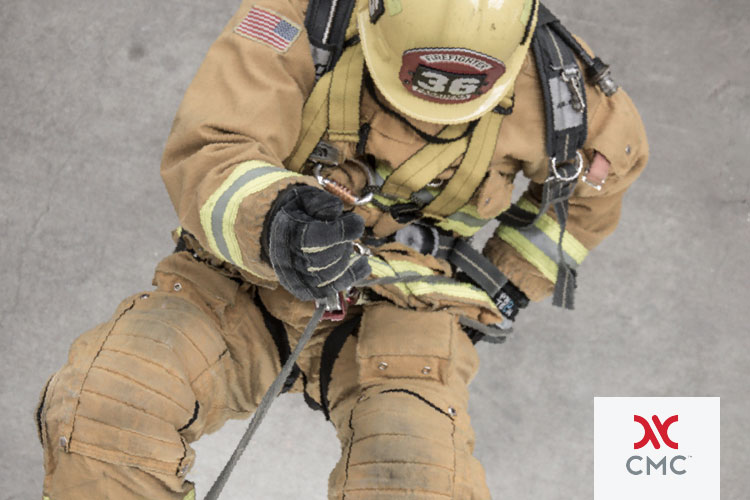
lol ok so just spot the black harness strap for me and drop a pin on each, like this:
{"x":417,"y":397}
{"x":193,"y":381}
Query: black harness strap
{"x":331,"y":349}
{"x":326,"y":22}
{"x":278,"y":333}
{"x":563,"y":89}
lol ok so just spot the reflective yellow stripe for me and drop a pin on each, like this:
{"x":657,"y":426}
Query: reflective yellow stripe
{"x":385,"y":201}
{"x":458,"y":227}
{"x":548,"y":230}
{"x":464,"y":291}
{"x":530,"y":252}
{"x":551,"y":228}
{"x":219,"y":213}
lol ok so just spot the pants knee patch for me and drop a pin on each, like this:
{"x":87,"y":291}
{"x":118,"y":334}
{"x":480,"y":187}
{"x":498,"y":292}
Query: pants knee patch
{"x":400,"y":442}
{"x":408,"y":435}
{"x":126,"y":393}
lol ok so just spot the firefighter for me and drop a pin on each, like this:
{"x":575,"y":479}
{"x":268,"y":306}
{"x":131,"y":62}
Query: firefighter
{"x":280,"y":165}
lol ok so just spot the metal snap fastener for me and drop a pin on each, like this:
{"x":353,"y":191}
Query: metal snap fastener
{"x":144,"y":296}
{"x":426,"y":370}
{"x":63,"y":443}
{"x":383,"y":365}
{"x":627,"y":149}
{"x":452,"y":412}
{"x":177,"y":287}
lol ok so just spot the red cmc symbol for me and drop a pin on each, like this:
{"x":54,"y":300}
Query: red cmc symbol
{"x":661,"y":428}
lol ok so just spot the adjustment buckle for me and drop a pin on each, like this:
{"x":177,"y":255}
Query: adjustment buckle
{"x":325,"y":153}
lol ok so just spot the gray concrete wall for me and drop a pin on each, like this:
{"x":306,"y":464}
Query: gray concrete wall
{"x":88,"y":91}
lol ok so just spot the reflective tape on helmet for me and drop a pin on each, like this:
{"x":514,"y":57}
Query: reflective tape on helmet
{"x":538,"y":243}
{"x":459,"y":291}
{"x":219,"y":213}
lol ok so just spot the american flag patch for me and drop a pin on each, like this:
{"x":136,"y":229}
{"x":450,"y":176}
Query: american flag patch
{"x":269,"y":28}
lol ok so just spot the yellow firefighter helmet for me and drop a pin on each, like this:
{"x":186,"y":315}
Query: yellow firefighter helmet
{"x":446,"y":61}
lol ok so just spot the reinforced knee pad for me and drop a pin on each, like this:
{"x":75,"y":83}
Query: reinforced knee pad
{"x":406,"y":434}
{"x":127,"y":395}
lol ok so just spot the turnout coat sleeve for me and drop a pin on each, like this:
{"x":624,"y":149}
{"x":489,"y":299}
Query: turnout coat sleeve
{"x":615,"y":131}
{"x":238,"y":121}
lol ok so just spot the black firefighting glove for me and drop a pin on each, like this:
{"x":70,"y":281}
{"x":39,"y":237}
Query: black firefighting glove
{"x":308,"y":239}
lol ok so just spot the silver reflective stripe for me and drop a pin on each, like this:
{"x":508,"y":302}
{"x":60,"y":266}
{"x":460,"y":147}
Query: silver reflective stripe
{"x":217,"y":216}
{"x":564,"y":115}
{"x":467,"y":219}
{"x":540,"y":240}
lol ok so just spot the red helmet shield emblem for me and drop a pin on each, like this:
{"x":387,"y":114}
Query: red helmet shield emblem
{"x":447,"y":75}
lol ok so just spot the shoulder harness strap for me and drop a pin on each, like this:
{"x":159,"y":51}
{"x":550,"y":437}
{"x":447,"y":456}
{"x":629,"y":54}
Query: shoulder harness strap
{"x":555,"y":51}
{"x":332,"y":30}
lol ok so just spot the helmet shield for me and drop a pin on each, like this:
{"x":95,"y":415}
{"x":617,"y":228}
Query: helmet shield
{"x":446,"y":61}
{"x":449,"y":75}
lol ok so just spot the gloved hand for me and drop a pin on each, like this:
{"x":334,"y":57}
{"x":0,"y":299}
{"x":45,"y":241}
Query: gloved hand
{"x":308,"y":241}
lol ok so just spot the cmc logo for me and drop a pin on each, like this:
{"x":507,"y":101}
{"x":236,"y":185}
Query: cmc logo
{"x":662,"y":429}
{"x":649,"y":436}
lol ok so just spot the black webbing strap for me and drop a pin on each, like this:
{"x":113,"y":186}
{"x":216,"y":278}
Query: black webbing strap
{"x":326,"y":22}
{"x":281,"y":339}
{"x":331,"y":349}
{"x":476,"y":266}
{"x":554,"y":192}
{"x":563,"y":89}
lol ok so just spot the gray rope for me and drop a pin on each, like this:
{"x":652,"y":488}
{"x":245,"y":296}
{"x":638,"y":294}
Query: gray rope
{"x":265,"y":404}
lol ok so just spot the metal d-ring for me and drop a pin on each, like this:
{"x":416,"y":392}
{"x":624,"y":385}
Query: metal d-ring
{"x":557,"y":176}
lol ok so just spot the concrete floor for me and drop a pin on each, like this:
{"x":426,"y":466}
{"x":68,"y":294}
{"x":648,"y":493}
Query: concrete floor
{"x":88,"y":91}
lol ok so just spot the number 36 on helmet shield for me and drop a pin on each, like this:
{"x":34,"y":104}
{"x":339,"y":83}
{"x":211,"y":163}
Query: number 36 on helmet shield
{"x":446,"y":61}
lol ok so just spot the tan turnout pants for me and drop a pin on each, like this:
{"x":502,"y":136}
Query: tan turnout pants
{"x":175,"y":363}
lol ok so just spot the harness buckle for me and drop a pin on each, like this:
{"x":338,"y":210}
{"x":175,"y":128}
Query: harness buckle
{"x":571,"y":75}
{"x":325,"y":153}
{"x":558,"y":176}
